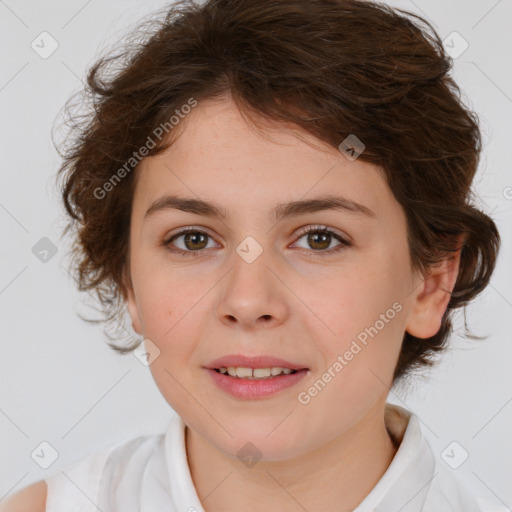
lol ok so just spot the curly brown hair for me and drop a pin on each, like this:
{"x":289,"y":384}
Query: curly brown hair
{"x":331,"y":67}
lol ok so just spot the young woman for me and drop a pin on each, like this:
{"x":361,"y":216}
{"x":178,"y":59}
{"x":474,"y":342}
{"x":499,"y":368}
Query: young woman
{"x":279,"y":194}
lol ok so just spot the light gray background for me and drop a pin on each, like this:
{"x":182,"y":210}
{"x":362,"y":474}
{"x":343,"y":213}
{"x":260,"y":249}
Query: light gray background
{"x":61,"y":383}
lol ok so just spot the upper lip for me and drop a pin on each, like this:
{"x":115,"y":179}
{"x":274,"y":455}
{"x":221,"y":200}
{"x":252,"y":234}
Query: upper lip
{"x":253,"y":362}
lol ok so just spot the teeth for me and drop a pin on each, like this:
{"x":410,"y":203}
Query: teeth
{"x":240,"y":372}
{"x":257,"y":373}
{"x":262,"y":372}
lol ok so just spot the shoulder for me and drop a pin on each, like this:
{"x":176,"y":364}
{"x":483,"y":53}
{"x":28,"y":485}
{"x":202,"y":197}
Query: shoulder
{"x":416,"y":465}
{"x":29,"y":499}
{"x":491,"y":506}
{"x":449,"y":492}
{"x":87,"y":482}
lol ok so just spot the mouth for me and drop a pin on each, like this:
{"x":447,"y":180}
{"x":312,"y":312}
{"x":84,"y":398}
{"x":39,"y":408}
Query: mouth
{"x":255,"y":373}
{"x":254,"y":377}
{"x":260,"y":366}
{"x":245,"y":383}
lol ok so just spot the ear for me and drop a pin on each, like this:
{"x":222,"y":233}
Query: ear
{"x":432,"y":297}
{"x":131,"y":303}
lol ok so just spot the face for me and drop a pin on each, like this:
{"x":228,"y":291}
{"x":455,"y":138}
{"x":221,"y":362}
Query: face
{"x":333,"y":302}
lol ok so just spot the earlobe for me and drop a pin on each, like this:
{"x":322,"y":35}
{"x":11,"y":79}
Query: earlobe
{"x":131,"y":304}
{"x":432,"y":298}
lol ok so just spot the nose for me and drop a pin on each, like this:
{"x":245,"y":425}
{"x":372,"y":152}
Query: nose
{"x":252,"y":295}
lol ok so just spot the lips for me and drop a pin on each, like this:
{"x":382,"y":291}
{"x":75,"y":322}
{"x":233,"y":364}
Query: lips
{"x":245,"y":389}
{"x":253,"y":362}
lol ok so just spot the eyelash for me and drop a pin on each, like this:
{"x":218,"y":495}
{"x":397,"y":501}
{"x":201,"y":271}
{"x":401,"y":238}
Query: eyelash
{"x":309,"y":229}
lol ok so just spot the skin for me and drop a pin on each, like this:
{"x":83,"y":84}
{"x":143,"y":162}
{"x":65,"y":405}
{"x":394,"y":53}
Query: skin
{"x":292,"y":302}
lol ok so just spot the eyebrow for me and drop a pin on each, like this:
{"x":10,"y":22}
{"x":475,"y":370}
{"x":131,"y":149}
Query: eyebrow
{"x":280,"y":211}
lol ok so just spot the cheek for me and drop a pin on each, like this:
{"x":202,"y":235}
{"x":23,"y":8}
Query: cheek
{"x":364,"y":312}
{"x":164,"y":294}
{"x":172,"y":310}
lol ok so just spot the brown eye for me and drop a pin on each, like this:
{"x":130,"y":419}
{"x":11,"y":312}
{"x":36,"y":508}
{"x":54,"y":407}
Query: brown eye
{"x":192,"y":240}
{"x":195,"y":241}
{"x":320,"y":238}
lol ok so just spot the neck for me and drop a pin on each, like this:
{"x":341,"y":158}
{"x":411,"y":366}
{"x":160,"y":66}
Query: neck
{"x":337,"y":476}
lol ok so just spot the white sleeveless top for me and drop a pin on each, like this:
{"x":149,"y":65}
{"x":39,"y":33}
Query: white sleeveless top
{"x":151,"y":474}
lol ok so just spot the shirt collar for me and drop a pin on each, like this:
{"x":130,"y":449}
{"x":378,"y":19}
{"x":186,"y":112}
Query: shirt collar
{"x":404,"y":486}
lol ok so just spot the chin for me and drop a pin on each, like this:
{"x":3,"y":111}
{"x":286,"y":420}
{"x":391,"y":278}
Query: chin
{"x":259,"y":438}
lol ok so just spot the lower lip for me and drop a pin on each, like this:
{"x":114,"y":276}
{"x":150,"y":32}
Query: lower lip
{"x":253,"y":389}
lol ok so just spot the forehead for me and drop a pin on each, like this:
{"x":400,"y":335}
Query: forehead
{"x":222,"y":158}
